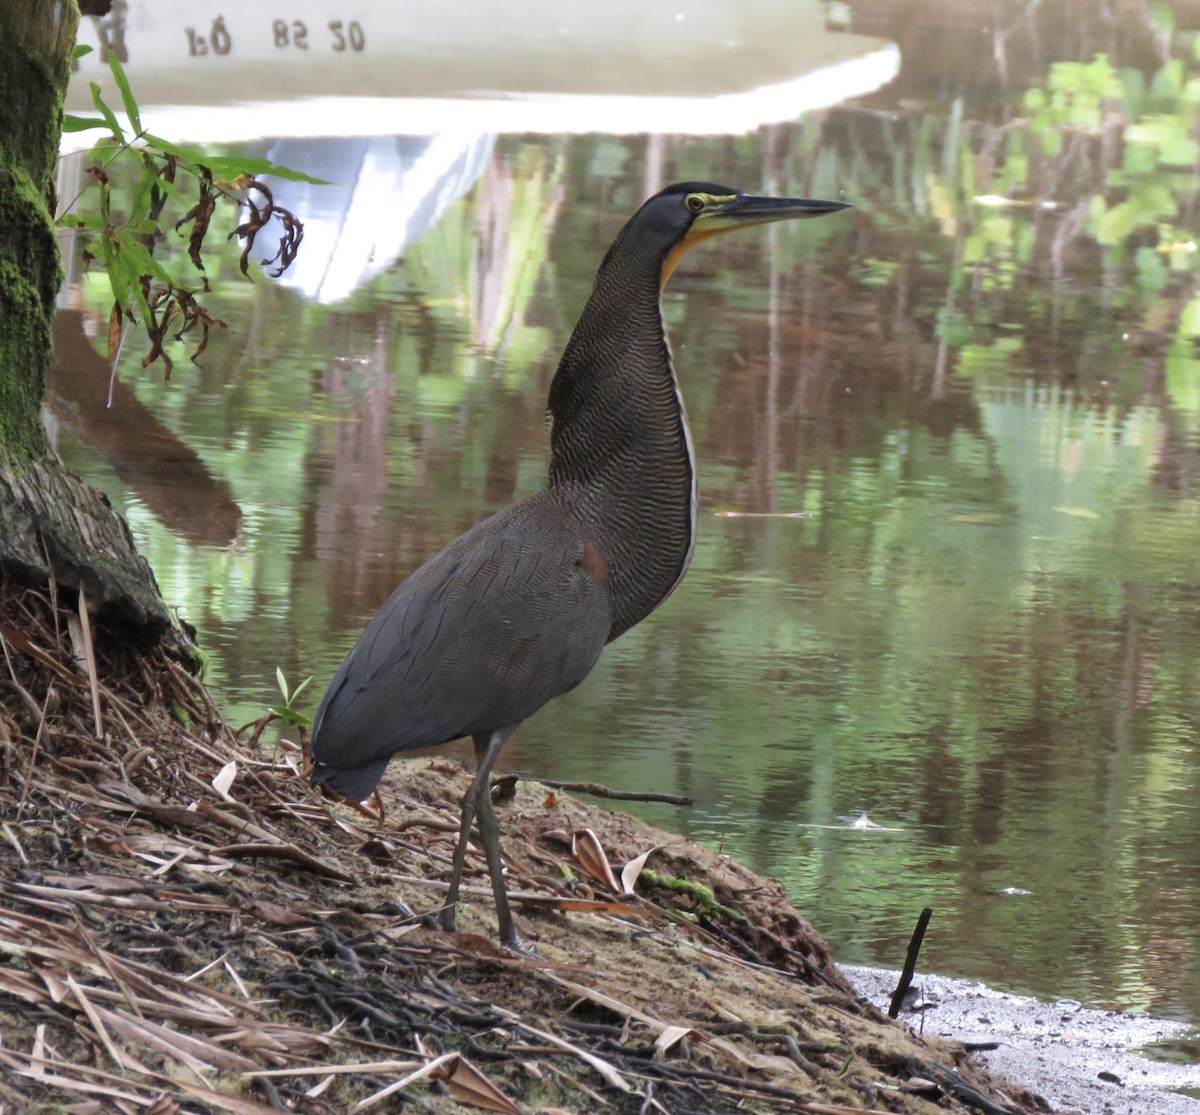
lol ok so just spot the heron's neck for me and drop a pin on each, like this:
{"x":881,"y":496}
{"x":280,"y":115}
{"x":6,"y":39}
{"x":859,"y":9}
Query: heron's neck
{"x":620,"y":445}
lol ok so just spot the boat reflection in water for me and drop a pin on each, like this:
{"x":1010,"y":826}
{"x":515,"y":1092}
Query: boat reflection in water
{"x":398,"y":105}
{"x":356,"y":69}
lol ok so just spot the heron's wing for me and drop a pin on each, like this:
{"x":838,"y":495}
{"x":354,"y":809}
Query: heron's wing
{"x":507,"y":617}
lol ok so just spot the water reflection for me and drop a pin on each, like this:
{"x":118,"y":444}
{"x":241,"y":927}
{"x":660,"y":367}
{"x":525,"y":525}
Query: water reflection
{"x":562,"y":67}
{"x":150,"y":459}
{"x":985,"y":630}
{"x":379,"y":195}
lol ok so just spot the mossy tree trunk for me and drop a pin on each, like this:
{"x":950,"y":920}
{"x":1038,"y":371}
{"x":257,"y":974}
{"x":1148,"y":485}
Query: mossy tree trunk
{"x":53,"y":527}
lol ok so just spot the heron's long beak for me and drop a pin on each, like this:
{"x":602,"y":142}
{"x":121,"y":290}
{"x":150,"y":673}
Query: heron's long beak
{"x":742,"y":211}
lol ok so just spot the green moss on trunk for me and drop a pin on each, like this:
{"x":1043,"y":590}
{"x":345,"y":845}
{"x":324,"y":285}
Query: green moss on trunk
{"x":35,"y":59}
{"x":52,"y":525}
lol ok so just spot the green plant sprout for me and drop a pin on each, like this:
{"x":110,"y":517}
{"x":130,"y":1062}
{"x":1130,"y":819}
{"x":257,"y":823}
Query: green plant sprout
{"x":286,"y":711}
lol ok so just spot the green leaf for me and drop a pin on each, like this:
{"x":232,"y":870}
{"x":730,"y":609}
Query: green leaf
{"x":144,"y":227}
{"x":118,"y":278}
{"x":233,"y":167}
{"x":291,"y":716}
{"x":123,"y":262}
{"x":138,"y":256}
{"x":91,"y":221}
{"x":168,"y":148}
{"x":127,"y":97}
{"x":125,"y":276}
{"x":229,"y":169}
{"x":290,"y":175}
{"x":73,"y":123}
{"x":82,"y":50}
{"x":172,"y":191}
{"x":281,"y":681}
{"x":143,"y":191}
{"x":109,"y":118}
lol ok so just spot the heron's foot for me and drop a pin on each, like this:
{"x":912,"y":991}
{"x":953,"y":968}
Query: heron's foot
{"x":514,"y":943}
{"x":508,"y":933}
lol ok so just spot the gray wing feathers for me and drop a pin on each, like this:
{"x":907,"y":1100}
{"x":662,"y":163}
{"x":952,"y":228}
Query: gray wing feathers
{"x":480,"y":637}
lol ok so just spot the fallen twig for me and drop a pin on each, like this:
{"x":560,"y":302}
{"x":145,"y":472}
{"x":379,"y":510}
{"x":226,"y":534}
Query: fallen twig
{"x":596,"y":790}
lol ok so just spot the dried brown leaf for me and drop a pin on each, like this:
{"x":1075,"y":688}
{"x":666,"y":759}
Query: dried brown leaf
{"x":222,"y":1102}
{"x":22,"y":988}
{"x":122,"y":1057}
{"x":115,"y":328}
{"x":764,"y":1062}
{"x":194,"y":1052}
{"x":587,"y":850}
{"x":54,"y":984}
{"x":471,"y":1087}
{"x":89,"y":657}
{"x":631,"y":871}
{"x":280,"y":850}
{"x":671,"y":1036}
{"x":338,"y":1069}
{"x":39,"y":1049}
{"x":223,"y":779}
{"x":230,"y":971}
{"x":22,"y":642}
{"x":162,"y":1105}
{"x":624,"y":1010}
{"x":200,"y":213}
{"x":53,"y":1080}
{"x":610,"y":1074}
{"x":97,"y":883}
{"x":279,"y":914}
{"x":428,"y":1069}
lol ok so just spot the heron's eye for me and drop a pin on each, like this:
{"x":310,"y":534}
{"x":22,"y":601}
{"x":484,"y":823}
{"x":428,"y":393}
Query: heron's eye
{"x":695,"y":203}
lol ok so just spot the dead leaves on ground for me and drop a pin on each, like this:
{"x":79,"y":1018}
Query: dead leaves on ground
{"x":202,"y":1035}
{"x":129,"y":1009}
{"x":590,"y":855}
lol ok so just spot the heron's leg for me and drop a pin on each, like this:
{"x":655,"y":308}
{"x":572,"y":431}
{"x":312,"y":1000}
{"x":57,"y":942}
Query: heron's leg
{"x":478,"y":802}
{"x":489,"y":834}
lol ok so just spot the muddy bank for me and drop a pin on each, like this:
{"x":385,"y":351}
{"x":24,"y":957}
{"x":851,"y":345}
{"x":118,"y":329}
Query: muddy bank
{"x":1082,"y":1060}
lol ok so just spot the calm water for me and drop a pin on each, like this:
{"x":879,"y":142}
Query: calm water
{"x":961,"y":426}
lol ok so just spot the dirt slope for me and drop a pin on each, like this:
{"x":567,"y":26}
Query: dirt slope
{"x":186,"y":926}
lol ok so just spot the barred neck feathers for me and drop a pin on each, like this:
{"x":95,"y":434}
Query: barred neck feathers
{"x":621,"y":450}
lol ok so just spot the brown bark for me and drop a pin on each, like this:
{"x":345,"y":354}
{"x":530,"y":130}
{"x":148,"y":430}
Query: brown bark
{"x":53,"y":526}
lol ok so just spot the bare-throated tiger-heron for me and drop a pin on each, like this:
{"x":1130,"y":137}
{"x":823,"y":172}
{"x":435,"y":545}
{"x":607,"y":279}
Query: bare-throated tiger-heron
{"x":517,"y":610}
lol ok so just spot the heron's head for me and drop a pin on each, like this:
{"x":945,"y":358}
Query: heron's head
{"x":688,"y":213}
